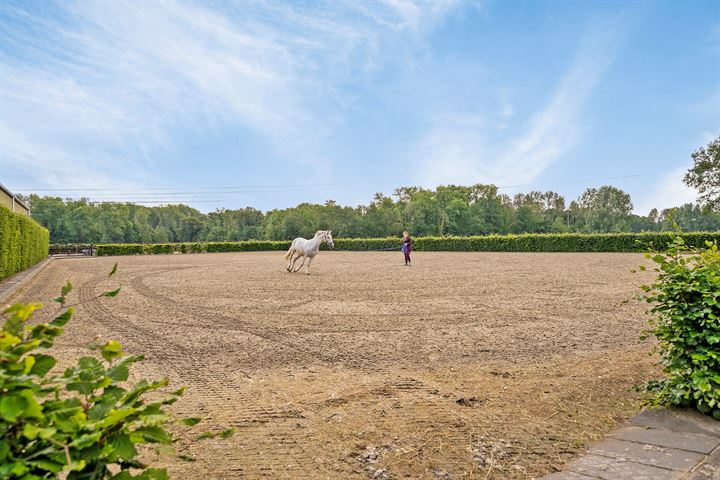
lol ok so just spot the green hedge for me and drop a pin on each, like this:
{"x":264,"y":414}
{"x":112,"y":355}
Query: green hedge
{"x":610,"y":242}
{"x":23,"y":242}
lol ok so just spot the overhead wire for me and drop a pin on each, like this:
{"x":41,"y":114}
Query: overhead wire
{"x":174,"y":195}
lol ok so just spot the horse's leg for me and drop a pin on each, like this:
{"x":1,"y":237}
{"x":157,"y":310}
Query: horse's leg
{"x":295,"y":259}
{"x":308,"y":267}
{"x":301,"y":264}
{"x":290,"y":262}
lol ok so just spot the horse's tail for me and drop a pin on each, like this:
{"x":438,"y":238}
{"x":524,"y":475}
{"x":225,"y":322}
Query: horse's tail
{"x":289,"y":252}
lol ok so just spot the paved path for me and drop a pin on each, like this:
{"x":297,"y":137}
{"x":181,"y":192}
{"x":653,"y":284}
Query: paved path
{"x":656,"y":444}
{"x":12,"y":284}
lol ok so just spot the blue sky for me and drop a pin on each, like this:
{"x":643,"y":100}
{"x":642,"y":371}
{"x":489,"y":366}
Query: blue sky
{"x":269,"y":104}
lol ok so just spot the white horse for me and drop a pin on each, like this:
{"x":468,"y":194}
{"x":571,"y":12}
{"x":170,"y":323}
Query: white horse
{"x":307,"y":249}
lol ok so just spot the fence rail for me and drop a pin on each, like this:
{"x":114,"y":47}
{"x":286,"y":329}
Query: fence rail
{"x":73,"y":249}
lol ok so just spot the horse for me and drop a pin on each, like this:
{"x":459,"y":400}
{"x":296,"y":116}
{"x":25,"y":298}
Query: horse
{"x":307,"y":249}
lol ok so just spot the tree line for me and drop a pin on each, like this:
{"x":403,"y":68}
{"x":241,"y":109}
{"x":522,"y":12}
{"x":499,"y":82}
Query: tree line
{"x":447,"y":210}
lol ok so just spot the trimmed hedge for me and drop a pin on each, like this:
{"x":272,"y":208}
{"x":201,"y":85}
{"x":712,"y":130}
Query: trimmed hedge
{"x":23,"y":242}
{"x":572,"y":242}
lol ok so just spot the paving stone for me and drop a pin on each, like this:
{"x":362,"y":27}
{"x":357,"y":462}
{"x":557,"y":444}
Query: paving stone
{"x":11,"y":285}
{"x":612,"y":469}
{"x":679,"y":420}
{"x":706,"y":472}
{"x":664,"y":457}
{"x":714,"y":458}
{"x":567,"y":476}
{"x":667,"y":438}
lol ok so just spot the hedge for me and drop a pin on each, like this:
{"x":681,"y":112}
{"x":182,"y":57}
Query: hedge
{"x":572,"y":242}
{"x":23,"y":242}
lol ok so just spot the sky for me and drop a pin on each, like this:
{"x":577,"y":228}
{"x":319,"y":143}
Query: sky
{"x":270,"y":104}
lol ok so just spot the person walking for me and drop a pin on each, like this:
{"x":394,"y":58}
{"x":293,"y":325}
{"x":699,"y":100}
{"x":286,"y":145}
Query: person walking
{"x":407,"y":247}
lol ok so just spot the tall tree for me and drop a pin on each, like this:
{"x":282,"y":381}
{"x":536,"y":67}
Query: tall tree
{"x":704,"y":175}
{"x":606,"y":209}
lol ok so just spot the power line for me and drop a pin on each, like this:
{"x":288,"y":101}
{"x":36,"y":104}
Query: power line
{"x":210,"y":189}
{"x":242,"y":189}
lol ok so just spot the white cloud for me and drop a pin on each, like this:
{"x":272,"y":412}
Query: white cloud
{"x":457,"y":151}
{"x":668,"y":192}
{"x":103,"y":87}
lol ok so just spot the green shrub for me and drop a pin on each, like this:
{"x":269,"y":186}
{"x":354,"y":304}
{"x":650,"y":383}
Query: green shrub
{"x":685,"y":311}
{"x":158,"y":248}
{"x":120,"y":249}
{"x":83,"y":423}
{"x":23,"y":243}
{"x":570,"y":242}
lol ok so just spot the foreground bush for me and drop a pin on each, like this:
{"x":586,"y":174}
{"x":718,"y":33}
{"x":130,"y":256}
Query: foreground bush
{"x":611,"y":242}
{"x":23,"y":242}
{"x":84,"y":423}
{"x":685,"y":311}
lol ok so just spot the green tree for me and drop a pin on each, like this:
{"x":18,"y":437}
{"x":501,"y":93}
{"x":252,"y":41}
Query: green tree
{"x":704,"y":175}
{"x":606,"y":209}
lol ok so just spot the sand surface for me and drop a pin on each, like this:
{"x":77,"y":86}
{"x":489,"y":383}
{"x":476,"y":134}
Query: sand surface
{"x":465,"y":365}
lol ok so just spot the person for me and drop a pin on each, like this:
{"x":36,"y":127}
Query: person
{"x":407,"y":247}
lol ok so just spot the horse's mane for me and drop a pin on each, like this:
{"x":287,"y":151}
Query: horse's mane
{"x":319,"y":232}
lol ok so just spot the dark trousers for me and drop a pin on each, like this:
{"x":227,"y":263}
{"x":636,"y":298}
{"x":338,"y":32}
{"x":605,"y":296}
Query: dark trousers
{"x":407,"y":251}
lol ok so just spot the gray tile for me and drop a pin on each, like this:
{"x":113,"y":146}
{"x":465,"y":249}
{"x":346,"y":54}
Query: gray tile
{"x":667,"y":438}
{"x":664,"y":457}
{"x":679,"y":420}
{"x":714,"y":458}
{"x":706,"y":472}
{"x":613,"y":469}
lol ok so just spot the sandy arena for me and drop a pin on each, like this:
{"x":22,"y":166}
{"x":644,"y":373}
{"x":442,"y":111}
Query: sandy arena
{"x":465,"y":365}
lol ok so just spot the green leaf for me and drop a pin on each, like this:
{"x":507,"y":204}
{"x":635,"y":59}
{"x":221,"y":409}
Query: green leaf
{"x":4,"y":450}
{"x":111,"y":350}
{"x":114,"y":270}
{"x":153,"y":434}
{"x":191,"y":421}
{"x":30,"y":431}
{"x":21,"y":404}
{"x":43,"y":364}
{"x":123,"y":447}
{"x":112,"y":293}
{"x":156,"y":474}
{"x":63,"y":293}
{"x":180,"y":391}
{"x":86,"y":440}
{"x":119,"y":373}
{"x":116,"y":416}
{"x":227,"y":433}
{"x":204,"y":435}
{"x":63,"y":318}
{"x":47,"y":465}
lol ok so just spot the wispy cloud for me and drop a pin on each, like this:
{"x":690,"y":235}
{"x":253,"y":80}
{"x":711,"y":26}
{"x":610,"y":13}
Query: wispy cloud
{"x":458,"y":149}
{"x":669,"y":191}
{"x":105,"y":86}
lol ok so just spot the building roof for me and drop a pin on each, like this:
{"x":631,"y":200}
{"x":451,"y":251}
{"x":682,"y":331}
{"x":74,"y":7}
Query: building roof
{"x":2,"y":187}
